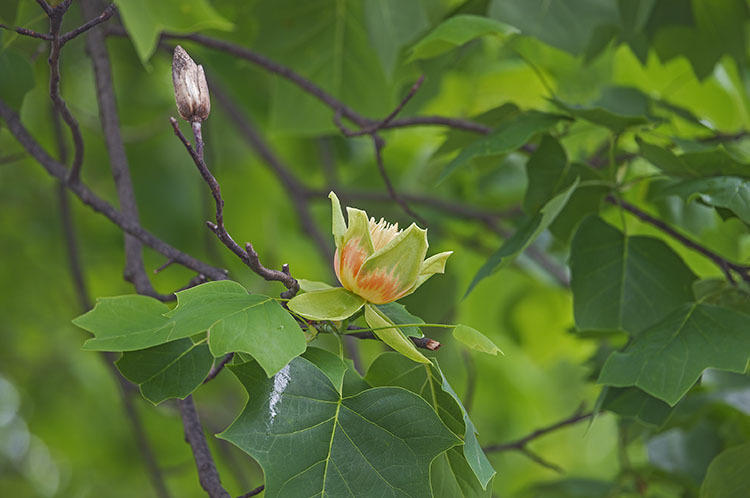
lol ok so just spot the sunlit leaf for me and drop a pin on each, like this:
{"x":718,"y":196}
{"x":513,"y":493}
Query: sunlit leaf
{"x":475,"y":339}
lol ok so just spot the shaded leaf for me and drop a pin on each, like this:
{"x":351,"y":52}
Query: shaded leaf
{"x":624,"y":283}
{"x":715,"y":161}
{"x":524,"y":236}
{"x":456,"y":31}
{"x":666,"y":359}
{"x":331,"y":365}
{"x":728,"y":192}
{"x":171,"y":370}
{"x":399,"y":315}
{"x":310,"y":440}
{"x":476,"y":471}
{"x":727,"y":475}
{"x":13,"y":90}
{"x":616,"y":120}
{"x":633,"y":403}
{"x":391,"y":25}
{"x":508,"y":137}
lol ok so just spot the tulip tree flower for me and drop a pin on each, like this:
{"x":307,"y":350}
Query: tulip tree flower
{"x":376,"y":263}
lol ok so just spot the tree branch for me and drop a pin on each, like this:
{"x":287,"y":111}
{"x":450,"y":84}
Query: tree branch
{"x":204,"y":462}
{"x":726,"y":266}
{"x":521,"y":444}
{"x":247,"y":255}
{"x":135,"y":271}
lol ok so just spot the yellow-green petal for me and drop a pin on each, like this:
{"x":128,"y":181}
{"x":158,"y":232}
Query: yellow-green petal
{"x":430,"y":266}
{"x":355,"y":249}
{"x":392,"y":336}
{"x":338,"y":224}
{"x":391,"y":272}
{"x":330,"y":304}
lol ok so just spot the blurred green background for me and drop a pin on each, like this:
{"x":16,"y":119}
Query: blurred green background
{"x":63,"y":428}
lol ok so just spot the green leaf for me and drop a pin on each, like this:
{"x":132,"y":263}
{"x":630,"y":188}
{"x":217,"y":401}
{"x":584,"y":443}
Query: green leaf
{"x":722,"y":293}
{"x":312,"y":285}
{"x":237,"y":322}
{"x":633,"y":403}
{"x":391,"y":25}
{"x":171,"y":370}
{"x":327,"y":42}
{"x":312,"y":441}
{"x":331,"y":365}
{"x":728,"y":192}
{"x":456,"y":31}
{"x":624,"y":283}
{"x":475,"y":339}
{"x":716,"y":161}
{"x":399,"y":315}
{"x":392,"y":336}
{"x":615,"y":120}
{"x":335,"y":304}
{"x":666,"y":359}
{"x":126,"y":323}
{"x":13,"y":90}
{"x":475,"y":472}
{"x":524,"y":236}
{"x":563,"y":24}
{"x":728,"y":473}
{"x":549,"y":173}
{"x":144,"y":20}
{"x":508,"y":137}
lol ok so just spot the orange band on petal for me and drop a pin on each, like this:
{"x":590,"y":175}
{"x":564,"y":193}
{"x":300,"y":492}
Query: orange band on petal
{"x":380,"y":287}
{"x":348,"y":262}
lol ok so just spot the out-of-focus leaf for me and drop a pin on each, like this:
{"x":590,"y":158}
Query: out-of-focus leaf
{"x":145,"y":20}
{"x":171,"y":370}
{"x":624,"y":283}
{"x":454,"y":32}
{"x":571,"y":488}
{"x":458,"y":139}
{"x":475,"y":339}
{"x":327,"y":42}
{"x":613,"y":113}
{"x":524,"y":236}
{"x":728,"y":192}
{"x":633,"y":403}
{"x":685,"y":452}
{"x":666,"y":359}
{"x":399,"y":315}
{"x":716,"y":161}
{"x":310,"y":440}
{"x":565,"y":25}
{"x":722,"y":293}
{"x":392,"y":25}
{"x":390,"y":369}
{"x":18,"y":77}
{"x":506,"y":138}
{"x":727,"y":474}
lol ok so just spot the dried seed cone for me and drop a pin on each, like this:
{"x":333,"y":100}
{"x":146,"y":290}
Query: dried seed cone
{"x":190,"y":87}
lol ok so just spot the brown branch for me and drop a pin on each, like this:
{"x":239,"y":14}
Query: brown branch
{"x":521,"y":444}
{"x":27,"y":32}
{"x":726,"y":266}
{"x":194,"y":436}
{"x":379,"y":143}
{"x":108,"y":12}
{"x":88,"y":197}
{"x":254,"y":492}
{"x":247,"y":255}
{"x":218,"y":367}
{"x":56,"y":15}
{"x":135,"y":271}
{"x":295,"y":190}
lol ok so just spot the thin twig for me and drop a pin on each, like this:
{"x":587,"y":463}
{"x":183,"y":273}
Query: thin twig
{"x":105,"y":15}
{"x":521,"y":444}
{"x":248,"y":255}
{"x":378,"y":143}
{"x":726,"y":266}
{"x":27,"y":32}
{"x":254,"y":492}
{"x":218,"y":367}
{"x":204,"y":462}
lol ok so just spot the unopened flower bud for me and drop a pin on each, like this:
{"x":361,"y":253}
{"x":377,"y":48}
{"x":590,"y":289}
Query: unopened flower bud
{"x":190,"y":87}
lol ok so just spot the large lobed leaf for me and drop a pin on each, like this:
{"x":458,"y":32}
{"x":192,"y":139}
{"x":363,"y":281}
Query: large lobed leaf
{"x":624,"y":283}
{"x":666,"y":359}
{"x":312,"y":441}
{"x":469,"y":469}
{"x":236,"y":321}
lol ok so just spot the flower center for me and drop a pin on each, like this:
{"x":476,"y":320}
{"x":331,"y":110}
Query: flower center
{"x":382,"y":232}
